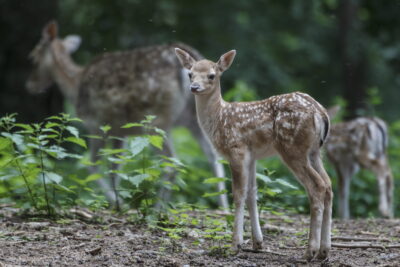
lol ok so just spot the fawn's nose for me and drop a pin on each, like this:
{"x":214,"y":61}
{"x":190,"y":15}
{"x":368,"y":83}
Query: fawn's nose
{"x":194,"y":87}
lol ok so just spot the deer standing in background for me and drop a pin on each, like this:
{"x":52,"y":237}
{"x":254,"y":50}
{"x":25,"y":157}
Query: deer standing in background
{"x":361,"y":142}
{"x":294,"y":126}
{"x":121,"y":87}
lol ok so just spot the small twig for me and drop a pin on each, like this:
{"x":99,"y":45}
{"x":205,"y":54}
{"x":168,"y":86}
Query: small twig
{"x":263,"y":251}
{"x":17,"y":233}
{"x":115,"y":219}
{"x":114,"y":225}
{"x":279,"y":229}
{"x":393,"y":246}
{"x":367,"y":233}
{"x":82,"y":213}
{"x":286,"y":247}
{"x":7,"y":205}
{"x":94,"y":251}
{"x":74,"y":247}
{"x":357,"y":245}
{"x":301,"y":261}
{"x":77,"y":238}
{"x":349,"y":238}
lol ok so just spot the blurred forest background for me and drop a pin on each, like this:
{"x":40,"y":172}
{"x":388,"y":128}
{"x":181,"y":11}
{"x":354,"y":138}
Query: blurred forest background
{"x":343,"y":52}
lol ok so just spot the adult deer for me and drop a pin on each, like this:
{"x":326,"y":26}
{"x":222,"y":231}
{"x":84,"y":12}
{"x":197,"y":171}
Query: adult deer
{"x":294,"y":126}
{"x":361,"y":142}
{"x":120,"y":87}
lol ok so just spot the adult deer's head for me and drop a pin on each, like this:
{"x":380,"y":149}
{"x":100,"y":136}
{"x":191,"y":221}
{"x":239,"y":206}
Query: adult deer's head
{"x":44,"y":56}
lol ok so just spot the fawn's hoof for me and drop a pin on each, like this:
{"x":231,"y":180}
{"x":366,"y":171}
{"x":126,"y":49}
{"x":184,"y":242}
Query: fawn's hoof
{"x":323,"y":254}
{"x":311,"y":253}
{"x":257,"y":245}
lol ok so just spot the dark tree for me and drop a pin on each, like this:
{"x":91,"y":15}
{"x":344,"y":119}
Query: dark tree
{"x":353,"y":58}
{"x":20,"y":29}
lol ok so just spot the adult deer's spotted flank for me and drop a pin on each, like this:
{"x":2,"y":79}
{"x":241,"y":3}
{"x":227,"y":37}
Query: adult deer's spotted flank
{"x":294,"y":126}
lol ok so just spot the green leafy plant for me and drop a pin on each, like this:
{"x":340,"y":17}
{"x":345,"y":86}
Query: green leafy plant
{"x":214,"y":180}
{"x":139,"y":168}
{"x":197,"y":222}
{"x":29,"y":155}
{"x":272,"y":192}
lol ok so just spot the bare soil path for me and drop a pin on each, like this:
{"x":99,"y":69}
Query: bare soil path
{"x":117,"y":242}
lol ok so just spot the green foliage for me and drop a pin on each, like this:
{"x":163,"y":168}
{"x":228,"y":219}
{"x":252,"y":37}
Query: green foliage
{"x":42,"y":170}
{"x":197,"y":171}
{"x":140,"y":171}
{"x":29,"y":156}
{"x":214,"y":180}
{"x":278,"y":195}
{"x":194,"y":221}
{"x":240,"y":92}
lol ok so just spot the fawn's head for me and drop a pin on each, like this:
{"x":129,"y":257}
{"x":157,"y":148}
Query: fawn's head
{"x":204,"y":74}
{"x":43,"y":54}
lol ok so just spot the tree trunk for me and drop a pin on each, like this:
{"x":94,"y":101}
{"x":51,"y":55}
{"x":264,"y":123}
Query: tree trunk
{"x":22,"y":23}
{"x":353,"y":58}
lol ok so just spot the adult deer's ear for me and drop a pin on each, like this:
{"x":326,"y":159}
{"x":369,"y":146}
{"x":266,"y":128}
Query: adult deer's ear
{"x":71,"y":43}
{"x":50,"y":31}
{"x":226,"y":60}
{"x":186,"y":60}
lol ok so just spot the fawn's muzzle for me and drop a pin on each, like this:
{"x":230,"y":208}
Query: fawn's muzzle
{"x":194,"y":87}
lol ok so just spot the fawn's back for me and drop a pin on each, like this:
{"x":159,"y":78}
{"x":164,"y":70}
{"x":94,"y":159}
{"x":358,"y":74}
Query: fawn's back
{"x":289,"y":119}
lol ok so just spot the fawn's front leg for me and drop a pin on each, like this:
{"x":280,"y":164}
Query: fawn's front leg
{"x":239,"y":169}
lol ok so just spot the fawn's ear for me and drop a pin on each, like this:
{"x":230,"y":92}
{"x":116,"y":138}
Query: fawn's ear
{"x":50,"y":31}
{"x":186,"y":60}
{"x":333,"y":111}
{"x":71,"y":43}
{"x":226,"y":60}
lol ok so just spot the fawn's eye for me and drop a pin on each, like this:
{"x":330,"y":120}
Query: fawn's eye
{"x":190,"y":75}
{"x":211,"y":76}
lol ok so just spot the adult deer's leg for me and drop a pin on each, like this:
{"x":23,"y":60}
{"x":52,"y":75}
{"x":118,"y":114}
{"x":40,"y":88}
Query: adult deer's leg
{"x":251,"y":202}
{"x":239,"y":169}
{"x":316,"y":162}
{"x":316,"y":189}
{"x":114,"y":178}
{"x":389,"y":187}
{"x":345,"y":172}
{"x":165,"y":193}
{"x":95,"y":145}
{"x":385,"y":183}
{"x":218,"y":169}
{"x":212,"y":157}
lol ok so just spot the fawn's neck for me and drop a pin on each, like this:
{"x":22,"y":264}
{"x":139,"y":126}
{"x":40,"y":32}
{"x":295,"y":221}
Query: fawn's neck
{"x":66,"y":72}
{"x":209,"y":109}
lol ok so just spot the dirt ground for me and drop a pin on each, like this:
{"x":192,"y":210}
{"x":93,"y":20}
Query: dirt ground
{"x":117,"y":242}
